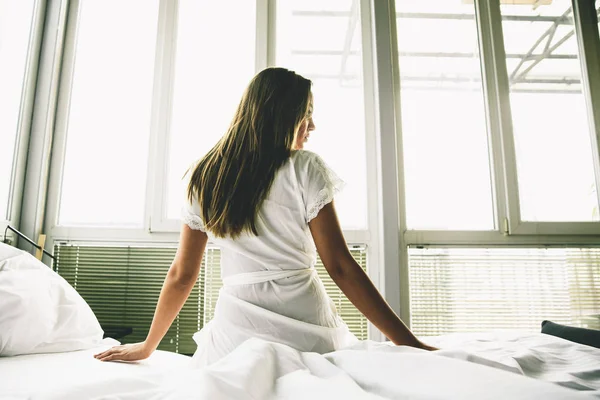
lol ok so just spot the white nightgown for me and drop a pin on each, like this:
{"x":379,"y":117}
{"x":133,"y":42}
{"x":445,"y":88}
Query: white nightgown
{"x":271,"y":289}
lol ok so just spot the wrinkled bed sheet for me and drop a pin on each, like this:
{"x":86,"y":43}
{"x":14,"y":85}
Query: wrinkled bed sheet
{"x":476,"y":366}
{"x":538,"y":356}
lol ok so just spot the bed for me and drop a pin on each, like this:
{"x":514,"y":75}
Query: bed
{"x":55,"y":360}
{"x":78,"y":375}
{"x":475,"y":366}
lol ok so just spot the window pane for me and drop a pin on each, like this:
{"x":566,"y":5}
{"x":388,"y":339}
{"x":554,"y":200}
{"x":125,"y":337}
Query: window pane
{"x":446,"y":155}
{"x":15,"y":26}
{"x":104,"y":177}
{"x":477,"y":289}
{"x":213,"y":67}
{"x":552,"y":136}
{"x":321,"y":40}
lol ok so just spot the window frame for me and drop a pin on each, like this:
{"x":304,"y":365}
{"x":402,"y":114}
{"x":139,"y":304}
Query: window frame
{"x":68,"y":25}
{"x":588,"y":34}
{"x":513,"y":223}
{"x":385,"y":152}
{"x":62,"y":78}
{"x":508,"y":219}
{"x":157,"y":177}
{"x":24,"y":122}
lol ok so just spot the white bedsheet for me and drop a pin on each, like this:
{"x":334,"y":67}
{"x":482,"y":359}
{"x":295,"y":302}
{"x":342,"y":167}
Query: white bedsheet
{"x":78,"y":373}
{"x":260,"y":370}
{"x":538,"y":356}
{"x":263,"y":370}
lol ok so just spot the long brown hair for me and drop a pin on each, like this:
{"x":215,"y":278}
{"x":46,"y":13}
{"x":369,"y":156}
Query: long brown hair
{"x":234,"y":177}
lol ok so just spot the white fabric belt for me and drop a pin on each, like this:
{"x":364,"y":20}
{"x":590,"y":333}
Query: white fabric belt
{"x":250,"y":278}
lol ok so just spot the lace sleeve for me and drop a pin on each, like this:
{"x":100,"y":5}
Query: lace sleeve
{"x":324,"y":184}
{"x":191,"y":219}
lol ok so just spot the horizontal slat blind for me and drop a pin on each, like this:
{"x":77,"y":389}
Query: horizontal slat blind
{"x":122,"y":285}
{"x":482,"y":289}
{"x":355,"y":320}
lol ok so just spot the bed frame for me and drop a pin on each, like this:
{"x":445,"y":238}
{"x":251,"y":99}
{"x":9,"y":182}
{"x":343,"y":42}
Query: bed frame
{"x":39,"y":246}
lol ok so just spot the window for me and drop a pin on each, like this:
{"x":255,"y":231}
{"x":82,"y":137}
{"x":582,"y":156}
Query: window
{"x":483,"y":289}
{"x":446,"y":152}
{"x":15,"y":27}
{"x":104,"y":178}
{"x":214,"y":64}
{"x":498,"y":280}
{"x":321,"y":40}
{"x":462,"y":174}
{"x":555,"y":166}
{"x":206,"y":54}
{"x":187,"y":97}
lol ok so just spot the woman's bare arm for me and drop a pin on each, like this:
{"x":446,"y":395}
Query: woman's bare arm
{"x":178,"y":284}
{"x":353,"y":281}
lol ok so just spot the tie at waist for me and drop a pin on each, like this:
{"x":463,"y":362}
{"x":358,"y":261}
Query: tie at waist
{"x":251,"y":278}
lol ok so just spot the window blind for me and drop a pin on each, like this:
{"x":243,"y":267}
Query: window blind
{"x":356,"y":321}
{"x":482,"y":289}
{"x":122,"y":284}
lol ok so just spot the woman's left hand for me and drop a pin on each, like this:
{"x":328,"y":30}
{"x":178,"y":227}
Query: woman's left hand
{"x":128,"y":352}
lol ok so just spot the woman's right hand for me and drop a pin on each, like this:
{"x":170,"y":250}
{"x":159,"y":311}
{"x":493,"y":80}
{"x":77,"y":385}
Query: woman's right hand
{"x":427,"y":347}
{"x":127,"y":352}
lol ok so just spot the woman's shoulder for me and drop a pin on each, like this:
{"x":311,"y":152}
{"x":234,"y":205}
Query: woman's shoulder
{"x":310,"y":166}
{"x":304,"y":158}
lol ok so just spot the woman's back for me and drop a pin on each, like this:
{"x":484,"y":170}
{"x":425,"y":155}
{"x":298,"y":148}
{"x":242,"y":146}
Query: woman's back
{"x":302,"y":186}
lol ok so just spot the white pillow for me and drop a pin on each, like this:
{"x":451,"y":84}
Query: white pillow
{"x":39,"y":311}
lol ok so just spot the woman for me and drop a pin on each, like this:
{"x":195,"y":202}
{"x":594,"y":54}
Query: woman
{"x":266,"y":202}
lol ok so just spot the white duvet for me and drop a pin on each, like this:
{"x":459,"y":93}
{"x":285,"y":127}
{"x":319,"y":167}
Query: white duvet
{"x":485,"y":366}
{"x":538,"y":356}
